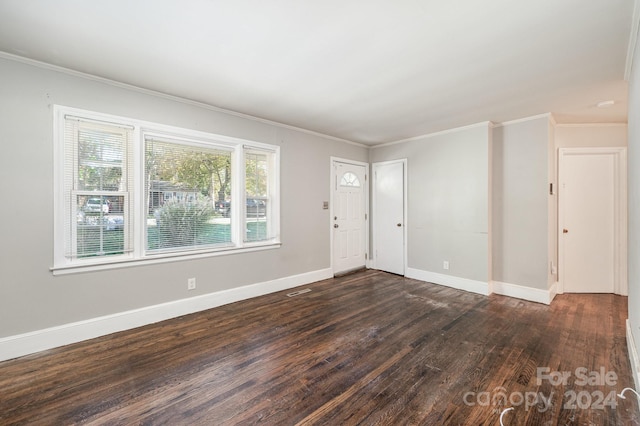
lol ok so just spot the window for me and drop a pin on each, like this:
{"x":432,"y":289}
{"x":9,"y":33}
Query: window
{"x":184,"y":182}
{"x":133,"y":191}
{"x":350,"y":179}
{"x":259,"y":195}
{"x":96,"y":185}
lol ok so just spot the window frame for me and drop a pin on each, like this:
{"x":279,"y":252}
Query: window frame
{"x":273,"y":193}
{"x":138,"y":253}
{"x":154,"y":136}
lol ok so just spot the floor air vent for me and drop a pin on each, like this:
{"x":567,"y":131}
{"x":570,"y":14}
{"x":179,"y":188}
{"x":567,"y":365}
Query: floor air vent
{"x":299,"y":292}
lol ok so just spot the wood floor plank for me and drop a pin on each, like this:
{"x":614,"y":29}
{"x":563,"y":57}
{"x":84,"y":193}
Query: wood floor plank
{"x":366,"y":348}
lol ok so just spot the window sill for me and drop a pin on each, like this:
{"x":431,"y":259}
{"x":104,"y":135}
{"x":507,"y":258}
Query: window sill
{"x":157,"y":259}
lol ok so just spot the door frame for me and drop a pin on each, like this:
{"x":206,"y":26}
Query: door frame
{"x":332,"y":187}
{"x":374,"y":168}
{"x":620,"y":281}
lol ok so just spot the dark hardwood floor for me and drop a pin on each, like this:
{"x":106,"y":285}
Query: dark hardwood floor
{"x":368,"y":348}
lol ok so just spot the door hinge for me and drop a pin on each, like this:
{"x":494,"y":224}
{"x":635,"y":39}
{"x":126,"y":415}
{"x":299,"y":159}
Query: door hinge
{"x":365,"y":177}
{"x":365,"y":216}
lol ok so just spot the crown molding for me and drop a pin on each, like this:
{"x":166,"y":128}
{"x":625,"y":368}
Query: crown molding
{"x":92,"y":77}
{"x":547,"y":115}
{"x":591,"y":125}
{"x":487,"y":124}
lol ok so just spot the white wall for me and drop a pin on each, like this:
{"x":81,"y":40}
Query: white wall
{"x":552,"y":206}
{"x":633,"y":156}
{"x":31,"y":298}
{"x":520,"y":203}
{"x":477,"y":200}
{"x":448,"y":197}
{"x":591,"y":135}
{"x":524,"y":216}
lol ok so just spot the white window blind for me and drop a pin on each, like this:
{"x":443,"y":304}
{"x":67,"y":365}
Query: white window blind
{"x":184,"y":182}
{"x":97,"y":180}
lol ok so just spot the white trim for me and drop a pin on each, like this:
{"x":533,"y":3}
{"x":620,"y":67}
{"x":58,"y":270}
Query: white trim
{"x":547,"y":115}
{"x":92,"y":77}
{"x":430,"y":135}
{"x":465,"y":284}
{"x":621,"y":285}
{"x":633,"y":39}
{"x":150,"y":260}
{"x":489,"y":175}
{"x":405,"y":217}
{"x":591,"y":125}
{"x":525,"y":293}
{"x":480,"y":287}
{"x":633,"y":357}
{"x":347,"y":161}
{"x":622,"y":281}
{"x":39,"y":340}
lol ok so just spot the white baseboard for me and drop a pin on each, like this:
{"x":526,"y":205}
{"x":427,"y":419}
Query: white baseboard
{"x":633,"y":357}
{"x":465,"y":284}
{"x":525,"y":293}
{"x":36,"y":341}
{"x":480,"y":287}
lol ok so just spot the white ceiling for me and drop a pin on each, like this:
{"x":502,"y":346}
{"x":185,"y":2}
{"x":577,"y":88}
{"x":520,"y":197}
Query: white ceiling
{"x":368,"y":71}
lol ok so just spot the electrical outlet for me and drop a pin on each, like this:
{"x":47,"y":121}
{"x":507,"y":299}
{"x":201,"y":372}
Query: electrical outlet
{"x":445,"y":264}
{"x":191,"y":284}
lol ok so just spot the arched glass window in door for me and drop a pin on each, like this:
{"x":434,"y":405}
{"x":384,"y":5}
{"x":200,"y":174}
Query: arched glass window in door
{"x":350,"y":179}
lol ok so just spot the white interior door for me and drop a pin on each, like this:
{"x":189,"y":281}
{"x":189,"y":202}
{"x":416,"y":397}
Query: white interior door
{"x":590,"y":216}
{"x":349,"y":217}
{"x":389,"y":216}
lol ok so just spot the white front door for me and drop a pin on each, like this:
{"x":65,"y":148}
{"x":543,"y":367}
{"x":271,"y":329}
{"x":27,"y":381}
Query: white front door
{"x":349,"y":216}
{"x":590,"y":221}
{"x":388,"y":216}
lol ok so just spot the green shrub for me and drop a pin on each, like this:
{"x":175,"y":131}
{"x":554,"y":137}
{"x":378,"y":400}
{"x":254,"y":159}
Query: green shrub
{"x":181,"y":223}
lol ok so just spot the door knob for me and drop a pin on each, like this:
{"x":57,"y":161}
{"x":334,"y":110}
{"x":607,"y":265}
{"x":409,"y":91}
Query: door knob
{"x":399,"y":225}
{"x":335,"y":225}
{"x":565,"y":231}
